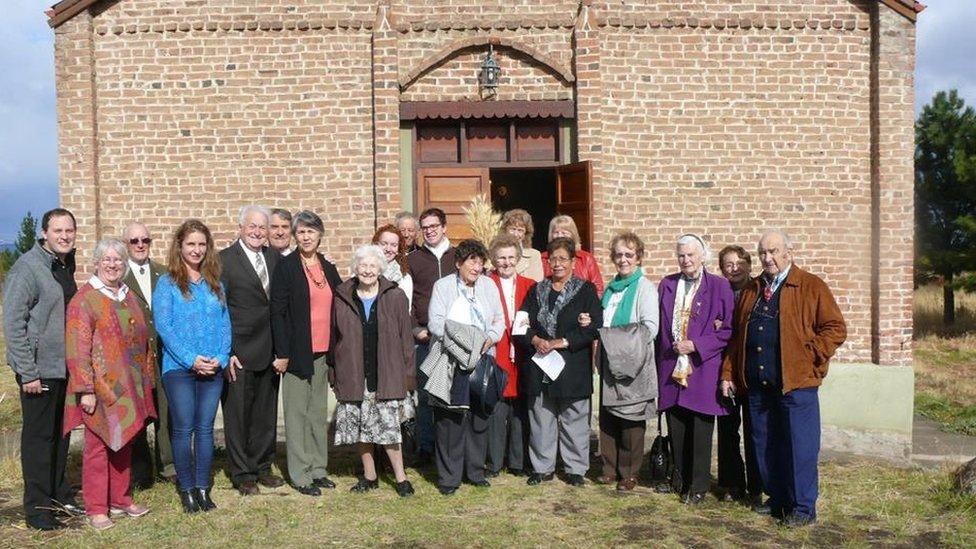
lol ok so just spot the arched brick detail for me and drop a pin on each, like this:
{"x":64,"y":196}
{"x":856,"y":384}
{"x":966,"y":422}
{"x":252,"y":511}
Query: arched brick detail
{"x":435,"y":59}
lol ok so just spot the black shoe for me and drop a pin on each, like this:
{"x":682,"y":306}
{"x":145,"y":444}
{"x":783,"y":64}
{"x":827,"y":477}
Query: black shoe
{"x":575,"y":480}
{"x":794,"y":520}
{"x":202,"y":496}
{"x":761,"y":507}
{"x":664,"y":488}
{"x":365,"y":485}
{"x":491,"y":474}
{"x":694,"y":498}
{"x":70,"y":508}
{"x":516,"y":472}
{"x":323,"y":482}
{"x":538,"y":478}
{"x":404,"y":489}
{"x":310,"y":490}
{"x":45,"y":523}
{"x":189,"y":501}
{"x":248,"y":488}
{"x":447,"y":490}
{"x":483,"y":483}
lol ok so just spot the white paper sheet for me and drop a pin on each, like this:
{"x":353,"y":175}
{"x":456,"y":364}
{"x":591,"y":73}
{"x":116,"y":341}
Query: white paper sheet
{"x":551,"y":363}
{"x":460,"y":311}
{"x":521,"y":323}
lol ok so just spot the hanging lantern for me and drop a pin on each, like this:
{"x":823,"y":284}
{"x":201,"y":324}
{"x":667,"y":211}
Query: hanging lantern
{"x":489,"y":71}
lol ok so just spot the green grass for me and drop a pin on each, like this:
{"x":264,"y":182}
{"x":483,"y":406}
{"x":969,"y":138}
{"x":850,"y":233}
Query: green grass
{"x":952,"y":416}
{"x":862,"y":504}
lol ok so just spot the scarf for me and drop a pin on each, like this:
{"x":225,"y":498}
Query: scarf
{"x":683,"y":299}
{"x":393,"y":272}
{"x":546,"y":316}
{"x":626,"y":306}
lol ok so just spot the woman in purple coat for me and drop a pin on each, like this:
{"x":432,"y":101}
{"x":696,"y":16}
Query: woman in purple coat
{"x":696,"y":325}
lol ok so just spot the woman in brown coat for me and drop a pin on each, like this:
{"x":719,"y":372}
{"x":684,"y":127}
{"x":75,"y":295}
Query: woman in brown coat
{"x":372,"y":362}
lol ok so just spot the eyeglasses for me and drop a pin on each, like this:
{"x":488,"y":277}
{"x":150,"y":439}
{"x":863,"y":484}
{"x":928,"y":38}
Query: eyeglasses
{"x":431,"y":227}
{"x":111,"y":260}
{"x":555,"y":259}
{"x":135,"y":241}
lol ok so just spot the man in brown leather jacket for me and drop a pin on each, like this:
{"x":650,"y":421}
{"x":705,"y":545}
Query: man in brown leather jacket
{"x":787,"y":327}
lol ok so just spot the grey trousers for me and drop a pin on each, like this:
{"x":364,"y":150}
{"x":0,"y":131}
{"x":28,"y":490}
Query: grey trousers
{"x":306,"y":403}
{"x":563,"y":421}
{"x":461,"y":444}
{"x":508,"y":434}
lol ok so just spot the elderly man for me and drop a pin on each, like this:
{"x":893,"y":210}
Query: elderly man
{"x":406,"y":223}
{"x":250,"y":400}
{"x":141,"y":279}
{"x":279,"y":231}
{"x":787,"y":327}
{"x":737,"y":480}
{"x":35,"y":296}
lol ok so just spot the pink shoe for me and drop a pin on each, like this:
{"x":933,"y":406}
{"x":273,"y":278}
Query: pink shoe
{"x":100,"y":523}
{"x":130,"y":511}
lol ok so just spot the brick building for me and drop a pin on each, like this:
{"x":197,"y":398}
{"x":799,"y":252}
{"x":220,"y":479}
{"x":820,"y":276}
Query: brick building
{"x":715,"y":116}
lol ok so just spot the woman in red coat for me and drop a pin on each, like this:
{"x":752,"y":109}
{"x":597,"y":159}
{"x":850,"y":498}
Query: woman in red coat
{"x":508,"y":426}
{"x":586,"y":266}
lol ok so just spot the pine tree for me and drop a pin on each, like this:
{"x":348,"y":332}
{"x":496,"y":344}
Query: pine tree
{"x":27,"y":235}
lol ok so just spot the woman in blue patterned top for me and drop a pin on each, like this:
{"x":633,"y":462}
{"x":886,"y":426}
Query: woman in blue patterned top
{"x":193,"y":323}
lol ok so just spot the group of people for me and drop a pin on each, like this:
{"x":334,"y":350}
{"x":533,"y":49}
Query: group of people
{"x":486,"y":369}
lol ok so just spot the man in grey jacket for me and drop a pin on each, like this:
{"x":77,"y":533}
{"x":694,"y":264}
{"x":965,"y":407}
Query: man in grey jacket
{"x":35,"y":296}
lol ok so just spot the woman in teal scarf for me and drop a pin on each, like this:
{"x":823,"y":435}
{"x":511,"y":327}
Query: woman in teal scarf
{"x":627,"y":369}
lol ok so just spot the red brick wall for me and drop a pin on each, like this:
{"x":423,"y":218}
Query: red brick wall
{"x":722,"y":117}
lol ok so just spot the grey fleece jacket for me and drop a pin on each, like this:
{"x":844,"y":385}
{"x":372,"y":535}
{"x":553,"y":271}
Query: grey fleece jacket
{"x":33,"y":318}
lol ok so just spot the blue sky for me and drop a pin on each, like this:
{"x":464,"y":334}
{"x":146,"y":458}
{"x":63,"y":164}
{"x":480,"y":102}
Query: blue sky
{"x":28,"y":132}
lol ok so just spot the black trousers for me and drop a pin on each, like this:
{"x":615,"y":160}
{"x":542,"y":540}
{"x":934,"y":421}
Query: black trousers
{"x":460,"y":446}
{"x":250,"y":407}
{"x":508,"y":435}
{"x":691,"y":445}
{"x":621,"y":445}
{"x":732,"y":473}
{"x":44,"y":450}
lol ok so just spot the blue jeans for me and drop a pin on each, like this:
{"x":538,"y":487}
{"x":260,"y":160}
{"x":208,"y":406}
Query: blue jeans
{"x":193,"y":404}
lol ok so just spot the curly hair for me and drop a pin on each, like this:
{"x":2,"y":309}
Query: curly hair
{"x":209,"y":265}
{"x":630,"y":239}
{"x":521,"y":217}
{"x":401,"y":255}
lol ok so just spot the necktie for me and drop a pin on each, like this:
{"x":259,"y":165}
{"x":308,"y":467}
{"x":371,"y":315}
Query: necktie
{"x":768,"y":292}
{"x":262,"y":272}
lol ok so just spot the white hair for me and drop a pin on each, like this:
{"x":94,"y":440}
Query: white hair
{"x":403,"y":216}
{"x":692,"y":238}
{"x":787,"y":241}
{"x":368,"y":250}
{"x":110,"y":243}
{"x":130,"y":227}
{"x":252,"y":208}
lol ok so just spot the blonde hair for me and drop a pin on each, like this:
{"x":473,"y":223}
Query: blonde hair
{"x":565,"y":222}
{"x":521,"y":217}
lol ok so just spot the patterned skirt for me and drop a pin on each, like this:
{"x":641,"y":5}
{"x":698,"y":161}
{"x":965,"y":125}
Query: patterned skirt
{"x":370,"y":421}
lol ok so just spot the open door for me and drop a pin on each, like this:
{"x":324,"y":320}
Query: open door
{"x":451,"y":189}
{"x":574,"y":197}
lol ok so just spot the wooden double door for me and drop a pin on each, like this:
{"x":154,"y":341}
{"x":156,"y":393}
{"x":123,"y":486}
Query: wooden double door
{"x":452,"y":189}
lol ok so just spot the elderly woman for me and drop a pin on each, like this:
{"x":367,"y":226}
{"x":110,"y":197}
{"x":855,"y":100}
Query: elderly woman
{"x":585,"y":265}
{"x":696,"y":320}
{"x":465,"y":319}
{"x":373,"y":368}
{"x":302,"y":295}
{"x":110,"y":382}
{"x":559,"y":398}
{"x":394,"y":247}
{"x":518,"y":223}
{"x":193,"y":323}
{"x":629,"y":383}
{"x":508,"y":427}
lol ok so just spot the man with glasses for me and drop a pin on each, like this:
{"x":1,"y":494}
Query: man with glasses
{"x":787,"y":327}
{"x":141,"y":279}
{"x":431,"y":262}
{"x":35,"y":296}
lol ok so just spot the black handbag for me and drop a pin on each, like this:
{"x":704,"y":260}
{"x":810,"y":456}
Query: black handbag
{"x":486,"y":385}
{"x":660,"y":463}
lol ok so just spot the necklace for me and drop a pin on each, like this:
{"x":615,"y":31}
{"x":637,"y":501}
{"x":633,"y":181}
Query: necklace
{"x":318,"y":283}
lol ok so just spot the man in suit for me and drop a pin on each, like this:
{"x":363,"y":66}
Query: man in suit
{"x":250,"y":400}
{"x":141,"y":279}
